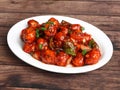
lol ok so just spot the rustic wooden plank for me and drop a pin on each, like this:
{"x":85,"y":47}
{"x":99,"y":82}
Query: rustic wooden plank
{"x":29,"y":77}
{"x":17,"y":75}
{"x":89,"y":0}
{"x":102,"y":22}
{"x":80,"y":0}
{"x":114,"y":36}
{"x":19,"y":88}
{"x":7,"y":57}
{"x":61,"y":7}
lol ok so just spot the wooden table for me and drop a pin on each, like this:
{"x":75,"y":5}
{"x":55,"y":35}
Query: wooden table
{"x":17,"y":75}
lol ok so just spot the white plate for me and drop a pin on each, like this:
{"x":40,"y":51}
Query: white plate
{"x":15,"y":44}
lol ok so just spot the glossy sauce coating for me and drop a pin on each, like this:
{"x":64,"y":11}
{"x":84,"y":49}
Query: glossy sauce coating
{"x":60,"y":43}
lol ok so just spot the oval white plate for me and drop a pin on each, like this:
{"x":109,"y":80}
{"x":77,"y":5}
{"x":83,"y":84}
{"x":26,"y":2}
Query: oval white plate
{"x":15,"y":44}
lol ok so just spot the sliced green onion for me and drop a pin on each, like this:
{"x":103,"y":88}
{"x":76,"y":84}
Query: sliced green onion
{"x":50,"y":22}
{"x":82,"y":28}
{"x":40,"y":46}
{"x":91,"y":43}
{"x":84,"y":52}
{"x":37,"y":33}
{"x":43,"y":28}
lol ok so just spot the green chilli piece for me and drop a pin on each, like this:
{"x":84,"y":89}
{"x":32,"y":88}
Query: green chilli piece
{"x":84,"y":52}
{"x":69,"y":48}
{"x":91,"y":43}
{"x":40,"y":46}
{"x":70,"y":51}
{"x":37,"y":33}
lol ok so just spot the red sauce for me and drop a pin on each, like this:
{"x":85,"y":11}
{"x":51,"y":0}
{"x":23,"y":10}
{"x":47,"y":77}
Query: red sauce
{"x":60,"y":43}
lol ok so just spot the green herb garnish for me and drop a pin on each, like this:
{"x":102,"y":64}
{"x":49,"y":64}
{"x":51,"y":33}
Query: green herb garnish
{"x":40,"y":46}
{"x":37,"y":33}
{"x":84,"y":52}
{"x":50,"y":22}
{"x":43,"y":28}
{"x":91,"y":43}
{"x":82,"y":28}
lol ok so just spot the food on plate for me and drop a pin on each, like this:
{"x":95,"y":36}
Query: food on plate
{"x":60,"y":43}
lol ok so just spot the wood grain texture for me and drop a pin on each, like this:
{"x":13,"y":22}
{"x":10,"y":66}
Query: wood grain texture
{"x":29,"y":77}
{"x":18,"y":88}
{"x":102,"y":22}
{"x":17,"y":75}
{"x":60,"y":7}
